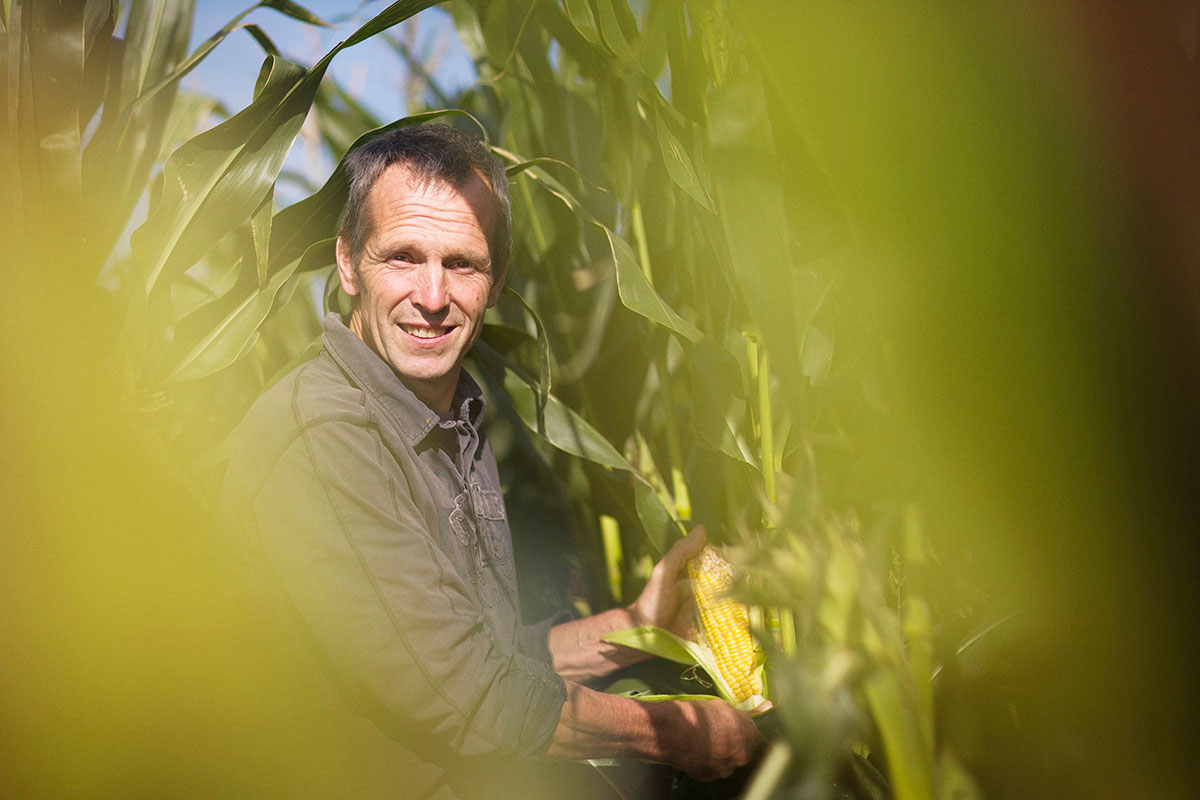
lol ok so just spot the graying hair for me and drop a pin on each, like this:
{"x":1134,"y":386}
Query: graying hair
{"x":434,"y":153}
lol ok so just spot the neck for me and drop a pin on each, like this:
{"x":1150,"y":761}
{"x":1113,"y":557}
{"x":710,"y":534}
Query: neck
{"x":438,"y":401}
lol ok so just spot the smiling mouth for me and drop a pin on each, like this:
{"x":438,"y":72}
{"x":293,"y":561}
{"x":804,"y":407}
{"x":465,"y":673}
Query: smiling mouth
{"x":426,"y":331}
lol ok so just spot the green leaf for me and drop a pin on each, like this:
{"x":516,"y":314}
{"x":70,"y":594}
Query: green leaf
{"x":45,"y":73}
{"x":264,"y":41}
{"x":563,"y":428}
{"x":636,"y":292}
{"x":295,"y":11}
{"x":638,"y":295}
{"x":543,"y":349}
{"x":717,"y":402}
{"x":220,"y":177}
{"x":656,"y":641}
{"x":610,"y":28}
{"x":569,"y":432}
{"x":664,"y":644}
{"x":679,"y":165}
{"x":659,"y":698}
{"x":229,"y":340}
{"x":659,"y":524}
{"x":260,"y":232}
{"x":156,"y":37}
{"x":392,"y":15}
{"x":214,"y":182}
{"x":580,"y":14}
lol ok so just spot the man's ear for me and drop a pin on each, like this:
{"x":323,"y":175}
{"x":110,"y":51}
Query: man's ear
{"x":346,"y":272}
{"x":497,"y":288}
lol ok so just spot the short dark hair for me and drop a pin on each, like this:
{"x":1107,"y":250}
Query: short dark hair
{"x":433,"y":152}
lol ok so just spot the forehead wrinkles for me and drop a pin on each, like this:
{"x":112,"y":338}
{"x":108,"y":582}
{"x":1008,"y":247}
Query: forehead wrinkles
{"x":401,"y":204}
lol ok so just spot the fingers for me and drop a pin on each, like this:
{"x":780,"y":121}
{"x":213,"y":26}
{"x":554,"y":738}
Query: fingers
{"x":689,"y":545}
{"x":763,"y":707}
{"x":683,"y":549}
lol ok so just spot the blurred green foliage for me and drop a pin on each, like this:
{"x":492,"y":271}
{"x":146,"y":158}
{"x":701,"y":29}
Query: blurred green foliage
{"x":867,"y":292}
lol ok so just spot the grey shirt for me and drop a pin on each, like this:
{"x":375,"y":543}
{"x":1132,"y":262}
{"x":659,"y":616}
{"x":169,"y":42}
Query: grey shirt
{"x":379,"y":527}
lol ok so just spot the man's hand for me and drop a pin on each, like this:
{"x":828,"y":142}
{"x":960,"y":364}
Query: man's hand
{"x":578,"y":647}
{"x":707,"y":739}
{"x":666,"y":600}
{"x":718,"y":739}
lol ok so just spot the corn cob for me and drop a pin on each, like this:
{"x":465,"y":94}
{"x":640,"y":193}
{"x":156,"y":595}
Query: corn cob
{"x":724,"y":622}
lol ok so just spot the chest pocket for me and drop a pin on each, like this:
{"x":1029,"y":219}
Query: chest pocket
{"x":493,"y":522}
{"x":489,"y":503}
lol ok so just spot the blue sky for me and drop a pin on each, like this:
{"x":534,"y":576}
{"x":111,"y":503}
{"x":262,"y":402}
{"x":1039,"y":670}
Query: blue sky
{"x":371,"y":70}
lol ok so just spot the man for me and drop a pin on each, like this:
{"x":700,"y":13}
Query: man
{"x":368,"y":500}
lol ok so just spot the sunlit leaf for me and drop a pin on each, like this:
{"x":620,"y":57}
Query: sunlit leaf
{"x":260,"y":232}
{"x":580,"y":14}
{"x":610,"y":27}
{"x":660,"y":642}
{"x":221,"y":176}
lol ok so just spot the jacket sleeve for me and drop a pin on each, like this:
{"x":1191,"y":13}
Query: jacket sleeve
{"x":534,"y":639}
{"x":350,"y":551}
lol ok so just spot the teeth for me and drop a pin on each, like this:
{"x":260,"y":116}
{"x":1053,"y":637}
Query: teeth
{"x":423,"y":333}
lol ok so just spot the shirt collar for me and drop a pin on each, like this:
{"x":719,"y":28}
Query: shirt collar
{"x":375,"y":377}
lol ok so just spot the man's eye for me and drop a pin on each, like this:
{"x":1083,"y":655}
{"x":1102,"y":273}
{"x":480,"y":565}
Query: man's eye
{"x":464,"y":266}
{"x":402,"y":258}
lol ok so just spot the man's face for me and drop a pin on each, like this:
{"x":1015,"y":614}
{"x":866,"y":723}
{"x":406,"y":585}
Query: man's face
{"x":424,"y":278}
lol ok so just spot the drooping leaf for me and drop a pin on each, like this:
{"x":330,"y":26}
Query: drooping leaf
{"x":564,"y":429}
{"x":679,"y":165}
{"x":638,"y":295}
{"x":580,"y":14}
{"x":295,"y":11}
{"x":657,"y":520}
{"x":610,"y":27}
{"x":236,"y":334}
{"x":543,"y":349}
{"x":716,"y":391}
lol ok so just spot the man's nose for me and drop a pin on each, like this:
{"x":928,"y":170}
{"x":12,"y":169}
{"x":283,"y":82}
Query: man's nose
{"x":431,"y":286}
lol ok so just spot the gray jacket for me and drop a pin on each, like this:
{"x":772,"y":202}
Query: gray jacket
{"x":379,"y":528}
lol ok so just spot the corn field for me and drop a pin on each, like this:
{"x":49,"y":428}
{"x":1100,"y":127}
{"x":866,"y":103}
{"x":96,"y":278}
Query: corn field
{"x":884,"y":298}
